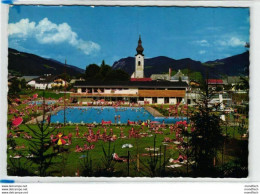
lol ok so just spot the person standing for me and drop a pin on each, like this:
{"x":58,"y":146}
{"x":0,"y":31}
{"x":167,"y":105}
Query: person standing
{"x":115,"y":119}
{"x":119,"y":117}
{"x":70,"y":138}
{"x":77,"y":131}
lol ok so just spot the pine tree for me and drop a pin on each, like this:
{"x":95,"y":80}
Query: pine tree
{"x":39,"y":146}
{"x":207,"y":138}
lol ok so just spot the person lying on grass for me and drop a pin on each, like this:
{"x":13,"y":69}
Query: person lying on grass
{"x":180,"y":159}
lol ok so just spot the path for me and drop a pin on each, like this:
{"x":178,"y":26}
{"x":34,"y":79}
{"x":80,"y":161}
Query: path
{"x":40,"y":118}
{"x":154,"y":112}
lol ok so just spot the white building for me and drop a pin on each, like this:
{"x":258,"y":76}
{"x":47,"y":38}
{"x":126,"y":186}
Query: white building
{"x":47,"y":81}
{"x":179,"y":76}
{"x":152,"y":92}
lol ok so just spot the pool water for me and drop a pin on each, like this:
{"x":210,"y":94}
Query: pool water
{"x":40,"y":102}
{"x":97,"y":114}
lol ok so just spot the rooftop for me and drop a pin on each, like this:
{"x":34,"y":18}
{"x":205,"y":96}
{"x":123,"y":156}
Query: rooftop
{"x":141,"y":79}
{"x":215,"y":81}
{"x":136,"y":84}
{"x":179,"y":75}
{"x":47,"y":79}
{"x":28,"y":78}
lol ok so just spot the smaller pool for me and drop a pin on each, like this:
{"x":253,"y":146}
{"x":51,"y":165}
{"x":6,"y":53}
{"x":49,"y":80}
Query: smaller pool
{"x":170,"y":120}
{"x":39,"y":102}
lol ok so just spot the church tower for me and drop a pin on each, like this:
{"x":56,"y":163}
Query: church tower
{"x":139,"y":60}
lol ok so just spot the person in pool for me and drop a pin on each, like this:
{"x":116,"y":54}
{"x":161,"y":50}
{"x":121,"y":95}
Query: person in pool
{"x":115,"y":118}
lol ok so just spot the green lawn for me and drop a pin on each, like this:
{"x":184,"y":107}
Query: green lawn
{"x":72,"y":160}
{"x":48,"y":93}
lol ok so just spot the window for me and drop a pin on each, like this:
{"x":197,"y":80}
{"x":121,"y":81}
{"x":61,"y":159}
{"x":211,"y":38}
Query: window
{"x":139,"y":63}
{"x":166,"y":100}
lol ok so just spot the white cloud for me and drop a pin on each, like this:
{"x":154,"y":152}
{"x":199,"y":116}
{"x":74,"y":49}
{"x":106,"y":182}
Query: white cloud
{"x":87,"y":46}
{"x":233,"y":42}
{"x":236,"y":42}
{"x":46,"y":32}
{"x":202,"y":42}
{"x":202,"y":52}
{"x":23,"y":28}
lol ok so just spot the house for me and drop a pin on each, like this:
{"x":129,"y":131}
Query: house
{"x":59,"y":82}
{"x":192,"y":97}
{"x":215,"y":83}
{"x":221,"y":98}
{"x":47,"y":81}
{"x":234,"y":82}
{"x":72,"y":81}
{"x":160,"y":77}
{"x":194,"y":83}
{"x":179,"y":76}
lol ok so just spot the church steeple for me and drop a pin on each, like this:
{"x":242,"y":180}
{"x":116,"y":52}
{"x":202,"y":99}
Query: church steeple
{"x":140,"y":48}
{"x":139,"y":61}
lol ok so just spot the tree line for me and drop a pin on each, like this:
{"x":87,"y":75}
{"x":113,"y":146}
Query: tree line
{"x":104,"y":73}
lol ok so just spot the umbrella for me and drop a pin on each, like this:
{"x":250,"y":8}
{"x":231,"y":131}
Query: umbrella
{"x":127,"y":146}
{"x":155,"y":122}
{"x":17,"y":121}
{"x":60,"y":140}
{"x":35,"y":96}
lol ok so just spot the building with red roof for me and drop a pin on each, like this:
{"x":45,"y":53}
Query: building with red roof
{"x":215,"y":81}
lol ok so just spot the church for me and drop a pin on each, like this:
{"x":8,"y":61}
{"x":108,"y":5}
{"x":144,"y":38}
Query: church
{"x":139,"y":61}
{"x":138,"y":90}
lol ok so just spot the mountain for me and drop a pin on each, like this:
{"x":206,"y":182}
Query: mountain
{"x":235,"y":65}
{"x":30,"y":64}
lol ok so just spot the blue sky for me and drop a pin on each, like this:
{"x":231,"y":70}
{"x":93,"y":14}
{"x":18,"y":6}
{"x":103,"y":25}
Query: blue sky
{"x":85,"y":34}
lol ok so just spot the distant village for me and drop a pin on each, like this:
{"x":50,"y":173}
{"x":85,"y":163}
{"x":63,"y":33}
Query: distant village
{"x":167,"y":88}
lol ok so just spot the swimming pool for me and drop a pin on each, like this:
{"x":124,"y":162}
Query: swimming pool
{"x":97,"y":114}
{"x":40,"y":102}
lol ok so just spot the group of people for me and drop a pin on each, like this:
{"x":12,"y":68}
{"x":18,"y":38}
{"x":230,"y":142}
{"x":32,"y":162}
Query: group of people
{"x":19,"y":134}
{"x":117,"y":117}
{"x":174,"y":110}
{"x":84,"y":148}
